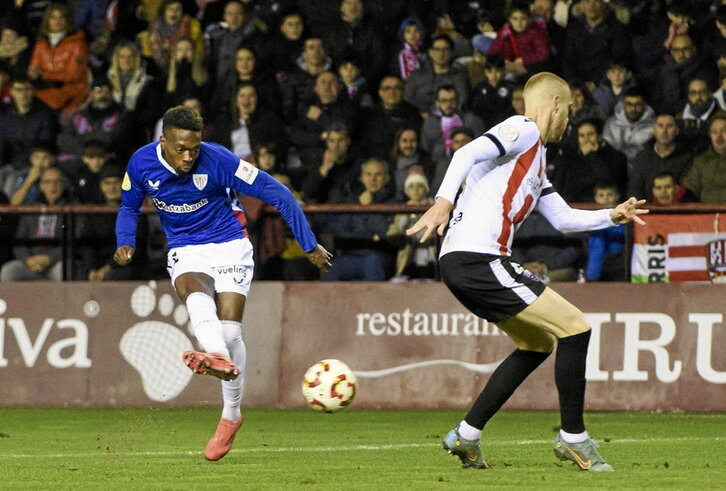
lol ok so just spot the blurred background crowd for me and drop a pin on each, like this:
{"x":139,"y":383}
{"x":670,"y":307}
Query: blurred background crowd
{"x":352,"y":101}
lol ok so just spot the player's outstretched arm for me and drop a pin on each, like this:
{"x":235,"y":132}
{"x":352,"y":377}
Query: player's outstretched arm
{"x":628,"y":211}
{"x":123,"y":255}
{"x":320,"y":258}
{"x":435,"y":218}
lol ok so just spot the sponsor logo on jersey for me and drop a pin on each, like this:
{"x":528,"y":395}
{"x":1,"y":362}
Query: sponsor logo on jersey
{"x":185,"y":208}
{"x":246,"y":172}
{"x":200,"y":180}
{"x":153,"y":184}
{"x":534,"y":183}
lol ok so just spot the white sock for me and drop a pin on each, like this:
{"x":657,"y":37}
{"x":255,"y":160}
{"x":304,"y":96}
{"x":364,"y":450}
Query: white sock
{"x":468,"y":432}
{"x":574,"y":437}
{"x":205,"y":323}
{"x":232,"y":389}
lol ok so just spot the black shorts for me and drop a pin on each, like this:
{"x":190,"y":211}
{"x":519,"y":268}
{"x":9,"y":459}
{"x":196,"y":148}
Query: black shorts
{"x":492,"y":287}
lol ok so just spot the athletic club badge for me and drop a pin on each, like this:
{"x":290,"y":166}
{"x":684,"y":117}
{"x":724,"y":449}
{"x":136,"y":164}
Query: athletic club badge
{"x":200,"y":180}
{"x":716,"y":260}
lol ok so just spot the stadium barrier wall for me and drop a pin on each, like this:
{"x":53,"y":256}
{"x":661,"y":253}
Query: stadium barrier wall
{"x":654,"y":347}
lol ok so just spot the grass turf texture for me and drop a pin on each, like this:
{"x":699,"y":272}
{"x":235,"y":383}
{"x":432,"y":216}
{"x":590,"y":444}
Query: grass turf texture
{"x":354,"y":449}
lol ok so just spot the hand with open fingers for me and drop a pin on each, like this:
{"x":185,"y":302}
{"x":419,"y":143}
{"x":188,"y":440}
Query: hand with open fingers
{"x":123,"y":255}
{"x":320,"y":257}
{"x":629,"y":211}
{"x":435,"y":219}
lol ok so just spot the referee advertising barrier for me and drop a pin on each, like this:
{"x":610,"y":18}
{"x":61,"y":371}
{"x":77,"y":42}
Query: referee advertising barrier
{"x":654,"y":347}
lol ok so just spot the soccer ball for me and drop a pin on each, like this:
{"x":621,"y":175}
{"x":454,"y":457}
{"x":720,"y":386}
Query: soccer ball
{"x":329,"y":386}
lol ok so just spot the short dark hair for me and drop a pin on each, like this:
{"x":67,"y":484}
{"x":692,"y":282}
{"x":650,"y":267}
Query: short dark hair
{"x":596,"y":123}
{"x":183,"y":118}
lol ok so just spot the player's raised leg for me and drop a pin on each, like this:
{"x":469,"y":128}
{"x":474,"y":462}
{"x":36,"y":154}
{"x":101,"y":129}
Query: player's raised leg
{"x":196,"y":290}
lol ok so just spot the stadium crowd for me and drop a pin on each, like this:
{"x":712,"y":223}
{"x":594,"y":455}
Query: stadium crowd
{"x":352,"y":101}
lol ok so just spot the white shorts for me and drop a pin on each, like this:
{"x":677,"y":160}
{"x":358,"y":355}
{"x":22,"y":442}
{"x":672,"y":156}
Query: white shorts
{"x":230,"y":264}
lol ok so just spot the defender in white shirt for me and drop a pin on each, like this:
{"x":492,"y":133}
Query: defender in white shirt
{"x":504,"y":170}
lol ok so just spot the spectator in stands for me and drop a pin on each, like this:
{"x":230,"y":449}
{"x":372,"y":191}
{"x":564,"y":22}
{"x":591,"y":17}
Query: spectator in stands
{"x":414,"y":259}
{"x":86,"y":183}
{"x":354,"y":83}
{"x":577,"y":171}
{"x":354,"y":34}
{"x":102,"y":120}
{"x":96,"y":236}
{"x":618,"y":79}
{"x":523,"y":43}
{"x":329,"y":171}
{"x":411,"y":57}
{"x":297,"y":84}
{"x":491,"y":100}
{"x":420,"y":87}
{"x":245,"y":126}
{"x":459,"y":137}
{"x":224,"y":39}
{"x":707,"y":176}
{"x":362,"y":252}
{"x":171,"y":25}
{"x":545,"y":251}
{"x":26,"y":15}
{"x":666,"y":190}
{"x":14,"y":50}
{"x":38,"y":250}
{"x":383,"y":121}
{"x":485,"y":35}
{"x":59,"y":63}
{"x":544,"y":12}
{"x":186,"y":76}
{"x":328,"y":105}
{"x":25,"y":123}
{"x":693,"y":119}
{"x":681,"y":66}
{"x":446,"y":116}
{"x":631,"y":125}
{"x":606,"y":248}
{"x":592,"y":41}
{"x":665,"y":154}
{"x":246,"y":71}
{"x":407,"y":154}
{"x":584,"y":107}
{"x":287,"y":43}
{"x":134,"y":88}
{"x":518,"y":100}
{"x":23,"y":185}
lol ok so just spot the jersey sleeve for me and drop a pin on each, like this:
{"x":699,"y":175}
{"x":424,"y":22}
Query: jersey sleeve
{"x":132,"y":196}
{"x":249,"y":180}
{"x":512,"y":136}
{"x":567,"y":219}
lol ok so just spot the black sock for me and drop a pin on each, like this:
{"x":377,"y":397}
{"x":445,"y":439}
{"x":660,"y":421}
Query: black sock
{"x":502,"y":384}
{"x":570,"y":379}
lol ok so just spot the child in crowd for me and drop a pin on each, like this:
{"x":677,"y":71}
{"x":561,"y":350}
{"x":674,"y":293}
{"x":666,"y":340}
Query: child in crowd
{"x":610,"y":91}
{"x":606,"y":248}
{"x":354,"y":83}
{"x":410,"y":58}
{"x":86,"y":182}
{"x":414,"y":260}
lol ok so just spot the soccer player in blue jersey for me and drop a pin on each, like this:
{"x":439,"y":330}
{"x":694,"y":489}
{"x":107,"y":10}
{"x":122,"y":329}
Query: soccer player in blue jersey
{"x":193,"y":185}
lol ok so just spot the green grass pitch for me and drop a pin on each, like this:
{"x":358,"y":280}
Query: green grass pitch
{"x":152,"y":448}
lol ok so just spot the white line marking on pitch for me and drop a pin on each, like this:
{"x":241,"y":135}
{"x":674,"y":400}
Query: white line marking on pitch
{"x":350,"y":448}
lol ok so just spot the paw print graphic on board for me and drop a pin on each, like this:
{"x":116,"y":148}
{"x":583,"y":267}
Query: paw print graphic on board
{"x":154,"y":348}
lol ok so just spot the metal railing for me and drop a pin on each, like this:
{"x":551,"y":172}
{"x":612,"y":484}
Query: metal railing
{"x":70,"y":213}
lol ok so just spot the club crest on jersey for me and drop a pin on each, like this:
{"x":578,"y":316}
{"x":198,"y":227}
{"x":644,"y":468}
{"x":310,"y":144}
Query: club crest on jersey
{"x":153,"y":184}
{"x":534,"y":183}
{"x":200,"y":180}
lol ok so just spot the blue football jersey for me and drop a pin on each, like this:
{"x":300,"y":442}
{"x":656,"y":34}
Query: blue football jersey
{"x":201,"y":207}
